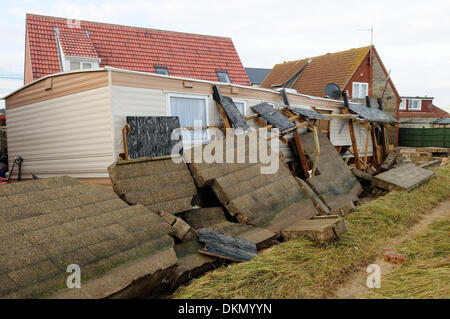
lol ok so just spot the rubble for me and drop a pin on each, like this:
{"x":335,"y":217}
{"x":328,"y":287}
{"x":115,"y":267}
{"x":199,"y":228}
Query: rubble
{"x":390,"y":160}
{"x":319,"y":229}
{"x":213,"y":218}
{"x":272,"y":201}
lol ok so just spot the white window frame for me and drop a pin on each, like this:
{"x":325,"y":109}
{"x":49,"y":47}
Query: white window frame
{"x":191,"y":96}
{"x":95,"y":63}
{"x":243,"y":102}
{"x":402,"y":105}
{"x":366,"y":92}
{"x":410,"y":103}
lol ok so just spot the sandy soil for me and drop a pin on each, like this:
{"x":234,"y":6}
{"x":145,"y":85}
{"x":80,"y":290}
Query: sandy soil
{"x":355,"y":284}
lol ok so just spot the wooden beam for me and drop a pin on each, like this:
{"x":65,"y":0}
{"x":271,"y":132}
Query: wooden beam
{"x":351,"y":129}
{"x":375,"y":157}
{"x":366,"y":147}
{"x":299,"y":146}
{"x":317,"y":151}
{"x":125,"y":130}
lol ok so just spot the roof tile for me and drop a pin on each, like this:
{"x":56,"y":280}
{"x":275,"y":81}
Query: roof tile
{"x":132,"y":48}
{"x":329,"y":68}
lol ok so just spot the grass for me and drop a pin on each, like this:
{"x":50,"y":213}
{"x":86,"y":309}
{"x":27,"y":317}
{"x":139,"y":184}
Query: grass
{"x":302,"y":269}
{"x":427,"y":273}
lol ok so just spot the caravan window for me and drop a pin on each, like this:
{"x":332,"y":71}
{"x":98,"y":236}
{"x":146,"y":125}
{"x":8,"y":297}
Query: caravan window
{"x":240,"y":106}
{"x":189,"y":109}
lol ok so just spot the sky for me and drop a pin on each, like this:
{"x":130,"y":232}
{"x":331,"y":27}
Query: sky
{"x":412,"y":37}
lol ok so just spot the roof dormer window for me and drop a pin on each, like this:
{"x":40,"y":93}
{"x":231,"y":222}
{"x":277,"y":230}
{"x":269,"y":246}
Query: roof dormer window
{"x":80,"y":63}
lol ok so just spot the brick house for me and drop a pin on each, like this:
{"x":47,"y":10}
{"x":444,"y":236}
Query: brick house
{"x":419,"y":112}
{"x":359,"y":71}
{"x":54,"y":45}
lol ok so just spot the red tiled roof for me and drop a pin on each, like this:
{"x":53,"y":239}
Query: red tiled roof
{"x":335,"y":68}
{"x":133,"y":48}
{"x":75,"y":42}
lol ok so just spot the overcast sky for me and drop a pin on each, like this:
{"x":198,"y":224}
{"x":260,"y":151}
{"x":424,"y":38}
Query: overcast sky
{"x":412,"y":37}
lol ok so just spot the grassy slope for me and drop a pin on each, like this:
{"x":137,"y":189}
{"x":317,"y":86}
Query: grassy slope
{"x":427,"y":273}
{"x":302,"y":269}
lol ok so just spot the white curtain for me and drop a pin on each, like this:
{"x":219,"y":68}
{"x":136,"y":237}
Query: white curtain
{"x":190,"y":111}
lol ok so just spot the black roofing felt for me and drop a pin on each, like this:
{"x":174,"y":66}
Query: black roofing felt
{"x":308,"y":113}
{"x":235,"y":117}
{"x":226,"y":247}
{"x":370,"y":113}
{"x":151,"y":136}
{"x":257,"y":75}
{"x":272,"y":116}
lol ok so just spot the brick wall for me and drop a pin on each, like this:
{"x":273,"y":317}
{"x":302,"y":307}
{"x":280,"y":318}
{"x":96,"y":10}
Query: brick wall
{"x":378,"y":82}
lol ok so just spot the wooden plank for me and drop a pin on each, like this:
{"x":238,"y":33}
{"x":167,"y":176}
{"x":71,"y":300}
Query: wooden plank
{"x":354,"y":144}
{"x":367,"y":145}
{"x":125,"y":130}
{"x":376,"y":159}
{"x":299,"y":146}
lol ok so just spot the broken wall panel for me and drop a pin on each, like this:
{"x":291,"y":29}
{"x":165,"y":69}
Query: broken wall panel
{"x":151,"y":136}
{"x":160,"y":184}
{"x":272,"y":200}
{"x":48,"y":224}
{"x":335,"y":183}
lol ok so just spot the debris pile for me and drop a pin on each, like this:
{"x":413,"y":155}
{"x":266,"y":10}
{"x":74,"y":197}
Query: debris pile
{"x":334,"y":182}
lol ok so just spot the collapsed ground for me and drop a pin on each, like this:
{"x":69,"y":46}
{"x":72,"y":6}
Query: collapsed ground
{"x":302,"y":269}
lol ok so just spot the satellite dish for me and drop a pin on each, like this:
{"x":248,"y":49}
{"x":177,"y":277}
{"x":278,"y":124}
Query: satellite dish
{"x":333,"y":91}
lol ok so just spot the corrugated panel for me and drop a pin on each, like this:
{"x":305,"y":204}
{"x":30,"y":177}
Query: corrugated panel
{"x":69,"y":135}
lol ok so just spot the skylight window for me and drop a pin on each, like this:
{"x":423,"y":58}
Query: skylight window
{"x":223,"y":76}
{"x":161,"y":70}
